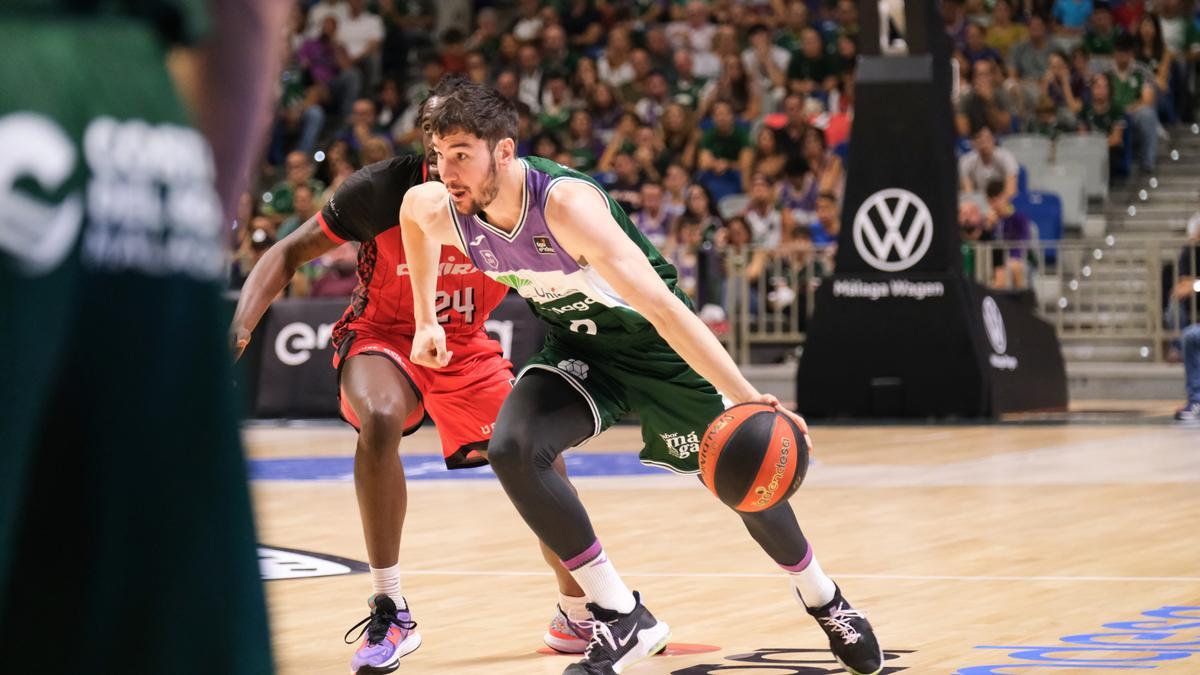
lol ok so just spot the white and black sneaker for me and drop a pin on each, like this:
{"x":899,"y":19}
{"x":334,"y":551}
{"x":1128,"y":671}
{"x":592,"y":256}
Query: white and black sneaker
{"x":620,"y":640}
{"x":1189,"y":412}
{"x":851,"y":638}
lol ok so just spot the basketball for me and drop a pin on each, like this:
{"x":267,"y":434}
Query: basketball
{"x":753,"y":457}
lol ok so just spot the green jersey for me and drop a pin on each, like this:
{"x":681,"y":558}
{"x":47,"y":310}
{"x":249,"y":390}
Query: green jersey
{"x":115,"y":402}
{"x":562,"y":291}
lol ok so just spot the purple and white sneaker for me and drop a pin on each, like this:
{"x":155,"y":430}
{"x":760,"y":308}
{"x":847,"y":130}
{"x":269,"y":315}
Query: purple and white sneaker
{"x":565,"y":636}
{"x":389,"y":634}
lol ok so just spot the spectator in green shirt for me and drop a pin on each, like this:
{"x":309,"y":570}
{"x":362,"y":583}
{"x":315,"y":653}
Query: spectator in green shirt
{"x":811,"y":69}
{"x":1101,"y":35}
{"x":1133,"y":91}
{"x":724,"y":142}
{"x":304,"y":201}
{"x":1101,"y":115}
{"x":277,"y":204}
{"x":725,"y":152}
{"x":688,"y":88}
{"x":794,"y":23}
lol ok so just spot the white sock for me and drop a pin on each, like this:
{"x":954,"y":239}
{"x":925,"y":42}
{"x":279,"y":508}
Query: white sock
{"x":598,"y":578}
{"x":575,"y":608}
{"x":387,"y":581}
{"x":811,"y":582}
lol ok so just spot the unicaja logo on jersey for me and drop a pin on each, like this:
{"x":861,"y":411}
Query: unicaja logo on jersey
{"x":513,"y":281}
{"x":893,"y":230}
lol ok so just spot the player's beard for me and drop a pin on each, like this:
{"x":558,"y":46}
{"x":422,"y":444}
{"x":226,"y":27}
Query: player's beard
{"x":487,"y":192}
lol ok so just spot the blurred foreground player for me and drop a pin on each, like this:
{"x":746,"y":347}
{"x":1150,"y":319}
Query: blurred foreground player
{"x":385,"y":396}
{"x":126,"y":538}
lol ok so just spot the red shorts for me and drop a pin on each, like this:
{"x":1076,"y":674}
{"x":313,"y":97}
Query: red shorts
{"x":463,"y":399}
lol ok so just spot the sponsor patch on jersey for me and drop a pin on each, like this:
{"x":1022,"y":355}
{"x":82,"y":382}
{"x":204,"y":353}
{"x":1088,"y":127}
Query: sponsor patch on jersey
{"x":575,"y":367}
{"x":490,"y":259}
{"x":682,"y":445}
{"x":542,"y":244}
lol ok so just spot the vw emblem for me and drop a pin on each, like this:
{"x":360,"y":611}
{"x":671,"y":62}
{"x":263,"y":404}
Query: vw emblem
{"x":879,"y":233}
{"x":993,"y":323}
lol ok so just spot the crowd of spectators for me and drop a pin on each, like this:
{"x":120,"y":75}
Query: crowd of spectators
{"x":721,"y":126}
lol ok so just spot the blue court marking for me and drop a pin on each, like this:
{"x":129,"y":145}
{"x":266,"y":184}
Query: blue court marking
{"x":428,"y":467}
{"x":1169,"y":633}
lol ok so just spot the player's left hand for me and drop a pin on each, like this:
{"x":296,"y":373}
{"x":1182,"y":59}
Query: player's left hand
{"x":774,"y":403}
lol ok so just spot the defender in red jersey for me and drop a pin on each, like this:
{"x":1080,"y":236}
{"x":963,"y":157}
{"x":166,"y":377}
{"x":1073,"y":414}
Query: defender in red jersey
{"x":379,"y":320}
{"x":385,"y":396}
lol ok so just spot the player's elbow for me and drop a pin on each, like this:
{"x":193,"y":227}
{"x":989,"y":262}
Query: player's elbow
{"x":659,"y":306}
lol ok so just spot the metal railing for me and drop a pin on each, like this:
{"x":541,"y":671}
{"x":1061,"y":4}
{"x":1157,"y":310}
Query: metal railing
{"x":1101,"y":292}
{"x":1112,"y":293}
{"x":769,"y":295}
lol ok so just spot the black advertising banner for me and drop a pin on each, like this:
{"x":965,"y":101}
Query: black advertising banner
{"x":295,"y":374}
{"x":296,"y":378}
{"x":891,"y":348}
{"x":1021,"y":354}
{"x":898,"y":330}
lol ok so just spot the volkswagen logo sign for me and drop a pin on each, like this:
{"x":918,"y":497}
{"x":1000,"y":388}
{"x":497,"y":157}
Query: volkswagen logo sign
{"x":893,"y":230}
{"x":993,"y":323}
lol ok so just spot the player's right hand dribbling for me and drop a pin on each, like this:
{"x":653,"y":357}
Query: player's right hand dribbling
{"x":429,"y":347}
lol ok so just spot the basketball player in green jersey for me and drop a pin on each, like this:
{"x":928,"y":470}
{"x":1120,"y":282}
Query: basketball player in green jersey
{"x":126,"y":539}
{"x":622,"y":338}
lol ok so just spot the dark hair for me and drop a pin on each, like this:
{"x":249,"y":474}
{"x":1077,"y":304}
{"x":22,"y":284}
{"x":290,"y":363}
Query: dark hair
{"x":543,"y":137}
{"x":477,"y":110}
{"x":712,"y":204}
{"x":444,"y":86}
{"x":1157,"y":47}
{"x":727,"y":102}
{"x":995,"y":188}
{"x":1124,"y":43}
{"x":756,"y":29}
{"x":818,"y":134}
{"x":795,"y":166}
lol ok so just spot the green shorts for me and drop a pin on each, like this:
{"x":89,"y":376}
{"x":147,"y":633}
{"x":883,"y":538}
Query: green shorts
{"x":639,"y":374}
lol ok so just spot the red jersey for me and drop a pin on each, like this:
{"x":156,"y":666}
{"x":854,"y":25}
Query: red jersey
{"x":366,"y":209}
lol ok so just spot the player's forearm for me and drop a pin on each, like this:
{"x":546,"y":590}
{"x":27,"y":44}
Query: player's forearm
{"x":268,"y":278}
{"x":421,"y":252}
{"x":238,"y":66}
{"x":693,"y":341}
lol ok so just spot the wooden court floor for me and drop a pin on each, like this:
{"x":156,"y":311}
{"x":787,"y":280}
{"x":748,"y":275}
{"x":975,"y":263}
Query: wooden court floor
{"x":1005,"y":549}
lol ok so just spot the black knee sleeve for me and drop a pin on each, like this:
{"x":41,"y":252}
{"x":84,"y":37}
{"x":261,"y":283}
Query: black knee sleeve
{"x":542,"y":417}
{"x":778,"y":533}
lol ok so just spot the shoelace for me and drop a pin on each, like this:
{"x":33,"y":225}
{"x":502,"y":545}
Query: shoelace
{"x":839,"y":622}
{"x":600,"y":633}
{"x":376,"y":626}
{"x":578,"y":629}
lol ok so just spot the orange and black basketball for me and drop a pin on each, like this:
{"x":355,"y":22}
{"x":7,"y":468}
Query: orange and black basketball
{"x":753,"y":457}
